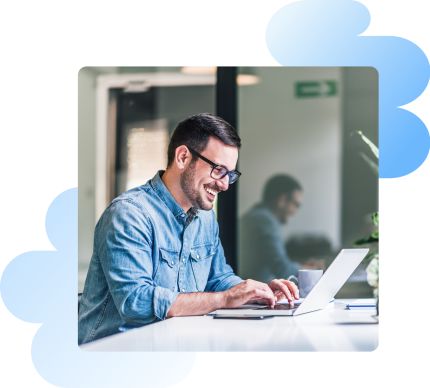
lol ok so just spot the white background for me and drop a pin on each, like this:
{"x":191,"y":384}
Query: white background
{"x":45,"y":43}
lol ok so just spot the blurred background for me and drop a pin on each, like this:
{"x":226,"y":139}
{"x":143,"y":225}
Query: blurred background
{"x":298,"y":121}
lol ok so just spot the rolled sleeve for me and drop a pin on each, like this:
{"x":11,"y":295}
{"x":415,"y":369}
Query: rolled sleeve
{"x":227,"y":283}
{"x":162,"y":301}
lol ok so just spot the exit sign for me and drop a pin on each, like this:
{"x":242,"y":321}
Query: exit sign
{"x":309,"y":89}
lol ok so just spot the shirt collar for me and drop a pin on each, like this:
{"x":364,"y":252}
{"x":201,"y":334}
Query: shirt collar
{"x":165,"y":195}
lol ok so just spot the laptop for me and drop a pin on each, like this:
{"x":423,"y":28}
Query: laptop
{"x":319,"y":297}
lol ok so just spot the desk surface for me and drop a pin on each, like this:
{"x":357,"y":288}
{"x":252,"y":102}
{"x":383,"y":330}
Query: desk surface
{"x":331,"y":329}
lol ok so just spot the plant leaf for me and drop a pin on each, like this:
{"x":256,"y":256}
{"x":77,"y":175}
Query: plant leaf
{"x":367,"y":240}
{"x":375,"y":218}
{"x":375,"y":235}
{"x":370,"y":162}
{"x":372,"y":146}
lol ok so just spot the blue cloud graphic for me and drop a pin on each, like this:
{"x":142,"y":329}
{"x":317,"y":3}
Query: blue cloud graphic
{"x":42,"y":287}
{"x":326,"y":33}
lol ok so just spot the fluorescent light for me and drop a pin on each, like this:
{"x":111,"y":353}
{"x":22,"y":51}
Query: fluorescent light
{"x":247,"y":79}
{"x":208,"y":70}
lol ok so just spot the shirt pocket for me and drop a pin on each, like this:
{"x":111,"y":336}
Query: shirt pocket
{"x":201,"y":260}
{"x":167,"y":269}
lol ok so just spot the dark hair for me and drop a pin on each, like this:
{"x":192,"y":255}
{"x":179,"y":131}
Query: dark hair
{"x":195,"y":131}
{"x":277,"y":185}
{"x":308,"y":246}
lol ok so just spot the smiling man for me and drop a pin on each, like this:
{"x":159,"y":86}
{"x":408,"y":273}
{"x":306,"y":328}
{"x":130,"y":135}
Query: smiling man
{"x":157,"y":252}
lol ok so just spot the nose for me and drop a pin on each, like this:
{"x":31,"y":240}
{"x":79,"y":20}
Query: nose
{"x":223,"y":183}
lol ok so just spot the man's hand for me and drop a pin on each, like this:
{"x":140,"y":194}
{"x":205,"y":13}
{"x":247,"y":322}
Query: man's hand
{"x":249,"y":290}
{"x":284,"y":289}
{"x":198,"y":303}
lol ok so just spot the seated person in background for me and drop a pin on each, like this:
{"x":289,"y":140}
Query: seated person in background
{"x":311,"y":251}
{"x":157,"y":252}
{"x":262,"y":252}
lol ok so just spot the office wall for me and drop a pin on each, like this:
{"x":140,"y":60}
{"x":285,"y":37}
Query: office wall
{"x":86,"y":164}
{"x":87,"y":149}
{"x":299,"y":136}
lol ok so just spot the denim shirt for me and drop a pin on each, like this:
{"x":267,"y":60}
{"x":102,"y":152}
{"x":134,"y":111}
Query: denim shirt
{"x":146,"y":252}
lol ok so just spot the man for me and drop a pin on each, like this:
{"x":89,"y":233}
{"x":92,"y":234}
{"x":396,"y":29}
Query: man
{"x":262,"y":252}
{"x":157,"y":253}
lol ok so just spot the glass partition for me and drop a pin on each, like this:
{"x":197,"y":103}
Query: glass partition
{"x":298,"y":127}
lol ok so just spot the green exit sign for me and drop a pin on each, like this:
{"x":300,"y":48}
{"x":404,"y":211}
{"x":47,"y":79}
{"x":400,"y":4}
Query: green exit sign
{"x":309,"y":89}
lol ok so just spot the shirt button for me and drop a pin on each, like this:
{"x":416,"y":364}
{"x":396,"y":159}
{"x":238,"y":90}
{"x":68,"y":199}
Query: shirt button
{"x":183,"y":290}
{"x":172,"y":262}
{"x":183,"y":260}
{"x":198,"y":256}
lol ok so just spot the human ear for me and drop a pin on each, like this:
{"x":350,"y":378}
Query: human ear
{"x":182,"y":156}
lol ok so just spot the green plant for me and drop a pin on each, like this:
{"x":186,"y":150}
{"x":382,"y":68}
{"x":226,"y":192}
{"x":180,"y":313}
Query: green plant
{"x":372,"y":239}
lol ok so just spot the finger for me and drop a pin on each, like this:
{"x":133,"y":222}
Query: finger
{"x":292,"y":287}
{"x":263,"y":291}
{"x":285,"y":290}
{"x":264,"y":287}
{"x":266,"y":295}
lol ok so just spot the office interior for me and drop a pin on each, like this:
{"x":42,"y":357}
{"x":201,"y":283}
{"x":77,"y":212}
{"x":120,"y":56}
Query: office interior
{"x":299,"y":121}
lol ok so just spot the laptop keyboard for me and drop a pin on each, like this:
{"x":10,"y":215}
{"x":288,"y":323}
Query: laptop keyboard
{"x":282,"y":306}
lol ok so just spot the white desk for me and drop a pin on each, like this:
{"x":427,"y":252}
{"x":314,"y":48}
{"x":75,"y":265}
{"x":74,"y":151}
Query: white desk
{"x":331,"y":329}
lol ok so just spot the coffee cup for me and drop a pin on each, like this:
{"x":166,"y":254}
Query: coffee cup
{"x":306,"y":279}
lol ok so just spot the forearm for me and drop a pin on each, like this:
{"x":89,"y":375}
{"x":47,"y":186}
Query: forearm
{"x":196,"y":303}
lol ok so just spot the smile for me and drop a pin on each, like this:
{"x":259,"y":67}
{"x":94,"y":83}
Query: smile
{"x":210,"y":191}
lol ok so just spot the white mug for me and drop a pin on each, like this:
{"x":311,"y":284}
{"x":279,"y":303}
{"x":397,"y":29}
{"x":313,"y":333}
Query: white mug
{"x":307,"y":278}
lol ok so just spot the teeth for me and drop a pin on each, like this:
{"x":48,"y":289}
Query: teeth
{"x":210,"y":191}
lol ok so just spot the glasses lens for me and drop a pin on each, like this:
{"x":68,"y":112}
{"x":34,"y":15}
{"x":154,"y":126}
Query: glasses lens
{"x":233,"y":176}
{"x":219,"y":172}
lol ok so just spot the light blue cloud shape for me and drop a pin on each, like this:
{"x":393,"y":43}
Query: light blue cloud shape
{"x":42,"y":287}
{"x":326,"y":33}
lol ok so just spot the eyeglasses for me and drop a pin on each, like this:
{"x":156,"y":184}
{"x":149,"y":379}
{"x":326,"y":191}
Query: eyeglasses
{"x":218,"y":171}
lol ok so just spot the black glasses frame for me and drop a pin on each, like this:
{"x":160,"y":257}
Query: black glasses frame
{"x":233,"y":175}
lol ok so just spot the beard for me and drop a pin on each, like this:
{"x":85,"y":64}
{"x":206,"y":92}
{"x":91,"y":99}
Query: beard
{"x":193,"y":195}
